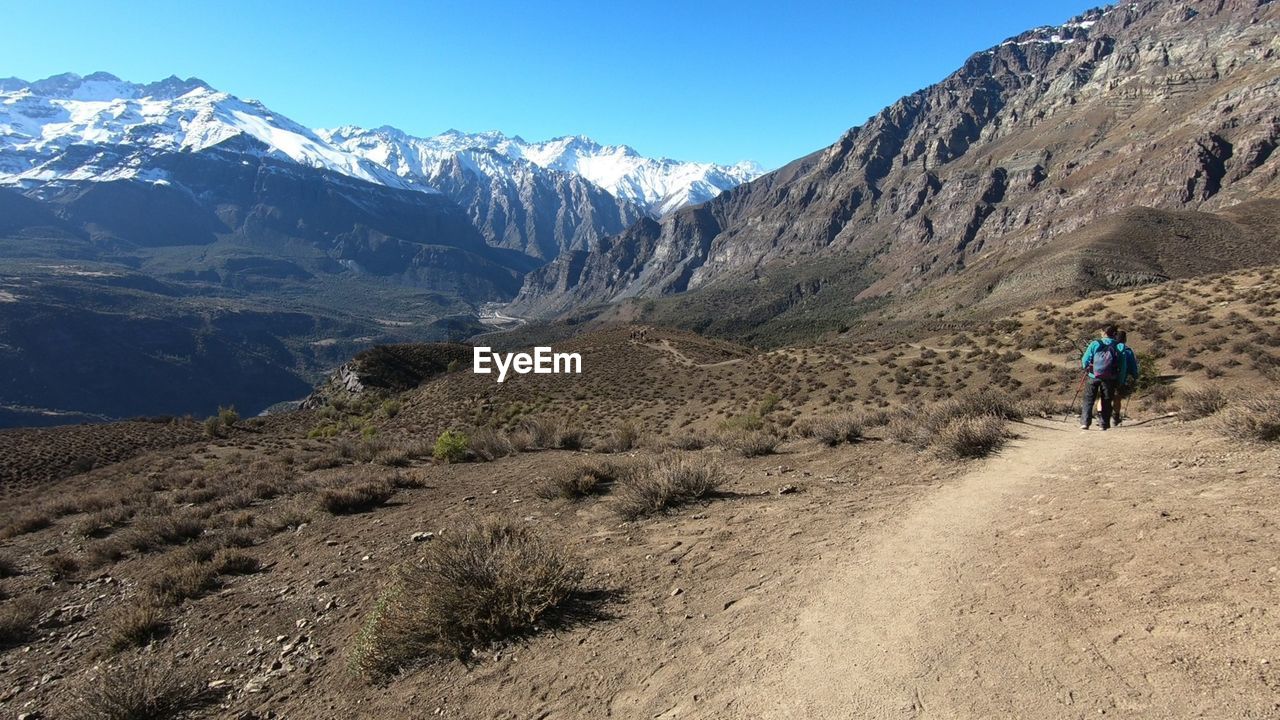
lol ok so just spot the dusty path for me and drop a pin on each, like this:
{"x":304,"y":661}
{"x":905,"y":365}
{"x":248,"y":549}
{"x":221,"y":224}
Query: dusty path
{"x":1048,"y":583}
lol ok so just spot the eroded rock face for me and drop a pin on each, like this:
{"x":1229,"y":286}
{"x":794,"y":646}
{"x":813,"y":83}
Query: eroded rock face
{"x":1160,"y":104}
{"x":540,"y":213}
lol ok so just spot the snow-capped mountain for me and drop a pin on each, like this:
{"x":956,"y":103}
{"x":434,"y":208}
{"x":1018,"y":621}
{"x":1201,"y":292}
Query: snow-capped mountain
{"x":659,"y":186}
{"x":41,"y":121}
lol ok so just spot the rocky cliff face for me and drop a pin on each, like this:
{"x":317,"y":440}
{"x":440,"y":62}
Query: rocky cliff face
{"x":535,"y":211}
{"x":1162,"y":104}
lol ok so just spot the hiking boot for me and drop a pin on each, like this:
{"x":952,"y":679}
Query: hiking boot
{"x":1105,"y":428}
{"x":1084,"y":427}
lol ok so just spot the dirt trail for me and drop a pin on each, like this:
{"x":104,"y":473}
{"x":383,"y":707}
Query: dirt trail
{"x":1046,"y":583}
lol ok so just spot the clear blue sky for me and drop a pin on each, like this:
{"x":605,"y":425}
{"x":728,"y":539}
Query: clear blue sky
{"x":693,"y":79}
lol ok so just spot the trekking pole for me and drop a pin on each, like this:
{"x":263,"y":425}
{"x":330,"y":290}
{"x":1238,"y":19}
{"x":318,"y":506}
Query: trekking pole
{"x":1075,"y":398}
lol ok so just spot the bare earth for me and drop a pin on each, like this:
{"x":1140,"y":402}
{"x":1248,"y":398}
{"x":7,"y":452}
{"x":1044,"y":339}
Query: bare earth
{"x":1047,"y":582}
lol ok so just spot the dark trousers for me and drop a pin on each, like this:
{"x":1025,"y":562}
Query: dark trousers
{"x":1093,"y":389}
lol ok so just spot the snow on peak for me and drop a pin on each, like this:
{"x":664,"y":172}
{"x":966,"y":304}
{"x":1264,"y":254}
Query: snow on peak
{"x":40,"y":121}
{"x":659,"y":186}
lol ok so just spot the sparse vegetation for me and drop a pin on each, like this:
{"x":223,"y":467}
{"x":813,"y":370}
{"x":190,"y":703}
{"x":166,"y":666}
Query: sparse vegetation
{"x":835,"y":430}
{"x":475,"y":585}
{"x":18,"y":619}
{"x":157,"y":690}
{"x":750,"y":443}
{"x":1254,"y":418}
{"x":581,"y":480}
{"x":134,"y":624}
{"x":181,"y":580}
{"x":666,"y":482}
{"x":1202,"y":403}
{"x":969,"y":437}
{"x":355,"y":497}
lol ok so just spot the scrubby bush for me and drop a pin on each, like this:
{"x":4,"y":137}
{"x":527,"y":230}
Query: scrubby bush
{"x":969,"y":437}
{"x":27,"y":522}
{"x":135,"y":624}
{"x":473,"y":586}
{"x":452,"y":446}
{"x":157,"y":691}
{"x":1256,"y":418}
{"x":488,"y":444}
{"x":158,"y":530}
{"x":235,"y":562}
{"x":356,"y":497}
{"x":581,"y":480}
{"x":181,"y":580}
{"x":18,"y":620}
{"x":937,"y":426}
{"x":623,"y":437}
{"x":835,"y":430}
{"x":666,"y":482}
{"x":750,"y":443}
{"x":1202,"y":403}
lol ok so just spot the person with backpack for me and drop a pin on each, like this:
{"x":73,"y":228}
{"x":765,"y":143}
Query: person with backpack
{"x":1103,"y":362}
{"x":1129,"y":382}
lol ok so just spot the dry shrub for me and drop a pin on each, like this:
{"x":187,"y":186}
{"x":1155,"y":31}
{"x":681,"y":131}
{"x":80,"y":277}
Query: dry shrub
{"x":581,"y":480}
{"x":520,"y":439}
{"x":27,"y":522}
{"x":135,"y":624}
{"x":969,"y":437}
{"x":104,"y":553}
{"x":488,"y":444}
{"x":234,"y":562}
{"x":61,"y":567}
{"x":181,"y":580}
{"x":18,"y":620}
{"x":1256,"y":418}
{"x":750,"y":443}
{"x":623,"y":437}
{"x":966,"y":426}
{"x":160,"y":690}
{"x":873,"y":418}
{"x":9,"y":567}
{"x":666,"y":482}
{"x":688,"y":441}
{"x":1198,"y":404}
{"x":103,"y":522}
{"x":475,"y":585}
{"x":835,"y":430}
{"x":157,"y":530}
{"x":357,"y":497}
{"x":549,"y":433}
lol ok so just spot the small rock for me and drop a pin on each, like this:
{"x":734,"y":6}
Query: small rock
{"x":676,"y":591}
{"x":321,"y":582}
{"x":421,"y":536}
{"x":218,"y":684}
{"x":786,"y":489}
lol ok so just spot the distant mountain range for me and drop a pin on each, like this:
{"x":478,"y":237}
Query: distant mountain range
{"x":533,"y":197}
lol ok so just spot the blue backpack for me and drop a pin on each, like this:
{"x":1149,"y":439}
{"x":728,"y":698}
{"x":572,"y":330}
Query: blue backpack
{"x":1107,"y":361}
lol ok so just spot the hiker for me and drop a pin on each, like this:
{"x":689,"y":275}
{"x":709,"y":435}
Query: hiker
{"x":1104,"y":364}
{"x":1128,"y":382}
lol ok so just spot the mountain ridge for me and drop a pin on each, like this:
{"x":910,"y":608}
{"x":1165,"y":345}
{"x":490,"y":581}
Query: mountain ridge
{"x":1028,"y":140}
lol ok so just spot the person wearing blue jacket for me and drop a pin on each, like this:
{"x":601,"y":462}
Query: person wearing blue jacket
{"x":1129,"y":382}
{"x":1104,"y":364}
